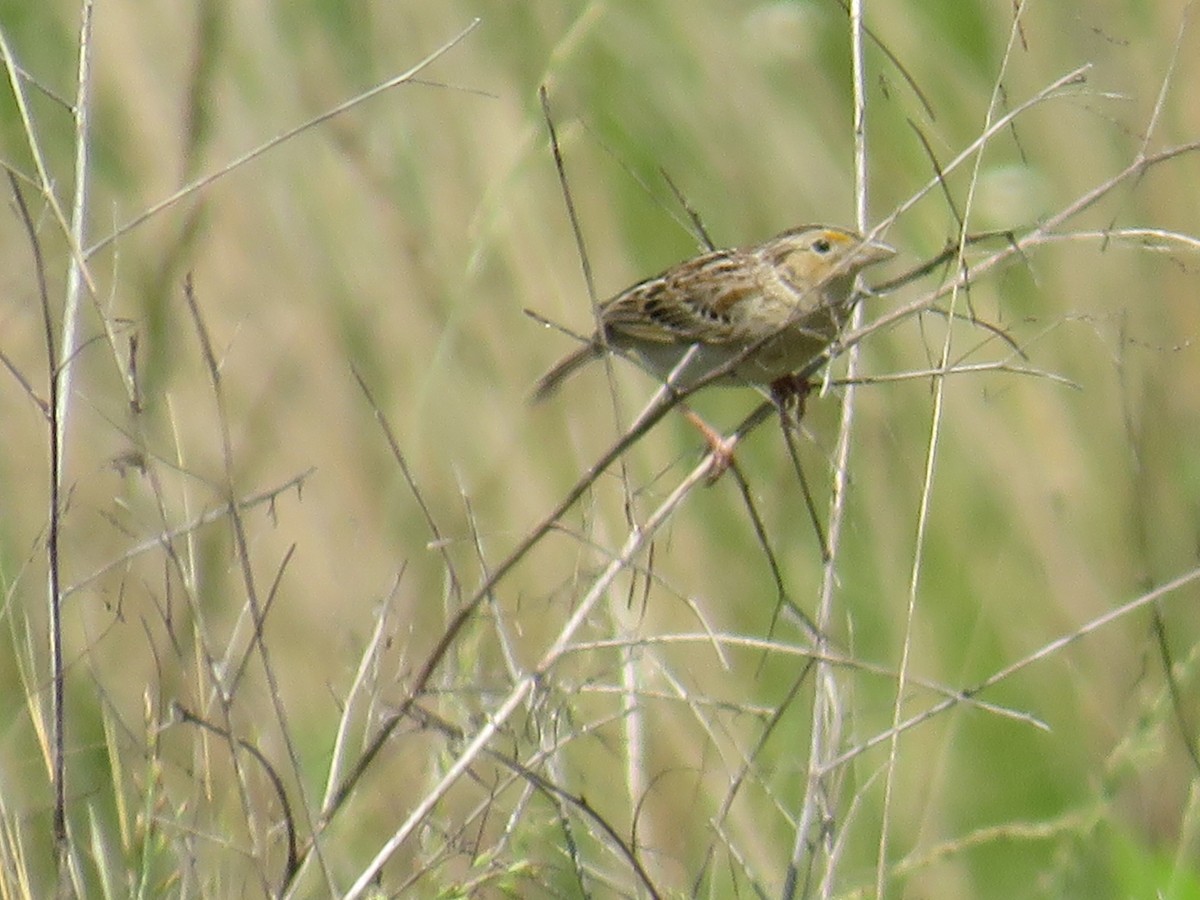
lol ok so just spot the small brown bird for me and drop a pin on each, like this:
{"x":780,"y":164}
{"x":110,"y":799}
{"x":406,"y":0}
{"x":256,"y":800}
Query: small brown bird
{"x":787,"y":298}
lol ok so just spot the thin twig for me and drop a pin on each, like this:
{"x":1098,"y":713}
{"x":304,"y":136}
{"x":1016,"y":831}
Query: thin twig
{"x":625,"y":849}
{"x":163,"y":539}
{"x":739,"y":778}
{"x":292,"y":864}
{"x":788,"y":427}
{"x":45,"y":183}
{"x":650,"y":417}
{"x":635,"y":543}
{"x":242,"y":552}
{"x":782,"y":599}
{"x":895,"y":61}
{"x":925,"y":505}
{"x":586,"y":266}
{"x":54,"y":528}
{"x":692,"y":214}
{"x":1044,"y":652}
{"x":251,"y":155}
{"x":1044,"y":233}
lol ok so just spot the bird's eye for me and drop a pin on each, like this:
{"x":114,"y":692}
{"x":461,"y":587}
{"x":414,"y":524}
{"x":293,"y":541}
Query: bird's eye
{"x":822,"y":245}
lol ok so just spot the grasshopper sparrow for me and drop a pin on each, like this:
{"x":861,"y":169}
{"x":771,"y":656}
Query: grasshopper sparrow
{"x":767,"y":310}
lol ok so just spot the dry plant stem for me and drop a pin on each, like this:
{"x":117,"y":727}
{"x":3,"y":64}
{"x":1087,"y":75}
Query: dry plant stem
{"x":947,"y":254}
{"x":56,"y":751}
{"x":79,"y":209}
{"x":703,"y":241}
{"x":204,"y":181}
{"x":164,"y":538}
{"x":857,"y":25}
{"x":586,"y":267}
{"x":468,"y":608}
{"x":659,"y":407}
{"x":825,"y":733}
{"x":59,"y":376}
{"x":1053,"y":89}
{"x":527,"y":772}
{"x":437,"y":538}
{"x":693,"y":215}
{"x":528,"y":683}
{"x":222,"y":688}
{"x":78,"y":274}
{"x":572,"y":216}
{"x":358,"y":688}
{"x":78,"y":277}
{"x":962,"y":369}
{"x":789,"y":427}
{"x":739,"y":778}
{"x":217,"y":693}
{"x":1141,"y":515}
{"x":632,"y":722}
{"x":1047,"y":650}
{"x":17,"y":374}
{"x":544,"y":757}
{"x":663,"y":403}
{"x":1043,"y":233}
{"x":718,"y":642}
{"x":935,"y":427}
{"x":242,"y":548}
{"x":238,"y":669}
{"x":782,"y":599}
{"x":504,"y":637}
{"x":44,"y":180}
{"x":632,"y":716}
{"x":1168,"y":77}
{"x":1140,"y":518}
{"x":186,"y":716}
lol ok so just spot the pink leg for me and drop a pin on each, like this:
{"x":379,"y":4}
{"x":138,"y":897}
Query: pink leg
{"x":722,"y":450}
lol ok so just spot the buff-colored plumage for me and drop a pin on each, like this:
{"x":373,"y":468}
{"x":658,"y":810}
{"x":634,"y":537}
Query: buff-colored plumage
{"x":787,"y":297}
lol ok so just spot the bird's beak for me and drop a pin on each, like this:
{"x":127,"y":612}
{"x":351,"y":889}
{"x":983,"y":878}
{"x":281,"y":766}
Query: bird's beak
{"x":872,"y":252}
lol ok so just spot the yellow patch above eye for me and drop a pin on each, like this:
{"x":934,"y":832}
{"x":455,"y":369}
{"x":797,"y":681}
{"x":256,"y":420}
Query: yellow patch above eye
{"x":836,"y":238}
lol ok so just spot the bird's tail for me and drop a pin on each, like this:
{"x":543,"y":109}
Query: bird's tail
{"x":564,"y":369}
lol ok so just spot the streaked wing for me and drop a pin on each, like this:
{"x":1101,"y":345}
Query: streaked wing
{"x":691,"y":303}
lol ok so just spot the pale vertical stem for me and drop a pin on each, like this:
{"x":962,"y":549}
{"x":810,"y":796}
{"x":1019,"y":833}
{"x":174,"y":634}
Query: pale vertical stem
{"x":633,"y":719}
{"x":79,"y":206}
{"x":817,"y":813}
{"x":60,"y":377}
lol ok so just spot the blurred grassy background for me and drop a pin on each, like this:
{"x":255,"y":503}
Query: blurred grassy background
{"x":404,"y":239}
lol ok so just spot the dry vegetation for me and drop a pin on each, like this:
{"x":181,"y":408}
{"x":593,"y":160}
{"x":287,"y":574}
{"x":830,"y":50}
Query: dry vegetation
{"x":337,"y":613}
